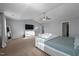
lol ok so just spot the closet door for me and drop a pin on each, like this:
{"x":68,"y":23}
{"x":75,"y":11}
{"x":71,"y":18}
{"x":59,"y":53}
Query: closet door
{"x":65,"y":29}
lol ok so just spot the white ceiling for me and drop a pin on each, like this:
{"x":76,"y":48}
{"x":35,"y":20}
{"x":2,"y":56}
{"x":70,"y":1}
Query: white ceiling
{"x":26,"y":11}
{"x":67,"y":11}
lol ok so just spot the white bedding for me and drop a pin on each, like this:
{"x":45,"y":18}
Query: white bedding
{"x":47,"y":36}
{"x":41,"y":44}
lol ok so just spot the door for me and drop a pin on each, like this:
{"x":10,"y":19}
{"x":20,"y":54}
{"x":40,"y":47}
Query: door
{"x":65,"y":29}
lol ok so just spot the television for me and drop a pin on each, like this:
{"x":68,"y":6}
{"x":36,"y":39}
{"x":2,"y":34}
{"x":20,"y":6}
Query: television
{"x":29,"y":27}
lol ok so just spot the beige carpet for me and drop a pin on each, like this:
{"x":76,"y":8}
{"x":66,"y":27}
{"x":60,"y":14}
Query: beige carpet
{"x":21,"y":47}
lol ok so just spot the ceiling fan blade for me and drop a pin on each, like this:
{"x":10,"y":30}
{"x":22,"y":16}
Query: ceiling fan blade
{"x":47,"y":18}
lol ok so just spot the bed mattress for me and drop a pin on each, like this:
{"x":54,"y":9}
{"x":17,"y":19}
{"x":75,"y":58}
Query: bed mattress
{"x":64,"y":44}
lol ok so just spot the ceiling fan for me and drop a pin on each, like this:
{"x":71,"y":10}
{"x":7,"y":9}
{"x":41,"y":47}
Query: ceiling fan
{"x":45,"y":18}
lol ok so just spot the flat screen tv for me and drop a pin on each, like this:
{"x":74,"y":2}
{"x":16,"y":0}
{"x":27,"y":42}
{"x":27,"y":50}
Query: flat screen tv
{"x":29,"y":27}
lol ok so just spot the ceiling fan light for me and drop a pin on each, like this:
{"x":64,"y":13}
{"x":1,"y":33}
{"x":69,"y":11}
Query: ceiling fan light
{"x":44,"y":19}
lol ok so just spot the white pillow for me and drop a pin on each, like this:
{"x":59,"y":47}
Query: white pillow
{"x":47,"y":35}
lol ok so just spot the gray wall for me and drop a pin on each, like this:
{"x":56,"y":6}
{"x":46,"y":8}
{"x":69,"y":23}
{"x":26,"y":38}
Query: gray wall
{"x":67,"y":12}
{"x":18,"y":27}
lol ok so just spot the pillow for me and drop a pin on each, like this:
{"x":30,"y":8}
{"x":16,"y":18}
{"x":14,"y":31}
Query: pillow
{"x":76,"y":42}
{"x":47,"y":36}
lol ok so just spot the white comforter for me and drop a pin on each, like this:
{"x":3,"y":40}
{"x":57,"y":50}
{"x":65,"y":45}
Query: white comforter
{"x":45,"y":37}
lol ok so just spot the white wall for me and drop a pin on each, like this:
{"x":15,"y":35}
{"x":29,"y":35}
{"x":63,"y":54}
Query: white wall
{"x":0,"y":31}
{"x":66,"y":12}
{"x":18,"y":27}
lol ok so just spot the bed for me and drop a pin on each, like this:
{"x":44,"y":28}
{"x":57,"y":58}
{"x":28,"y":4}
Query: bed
{"x":58,"y":46}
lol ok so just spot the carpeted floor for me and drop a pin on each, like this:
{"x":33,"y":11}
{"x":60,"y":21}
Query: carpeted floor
{"x":21,"y":47}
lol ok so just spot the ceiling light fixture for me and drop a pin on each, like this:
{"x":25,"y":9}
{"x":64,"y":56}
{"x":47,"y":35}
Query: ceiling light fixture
{"x":45,"y":18}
